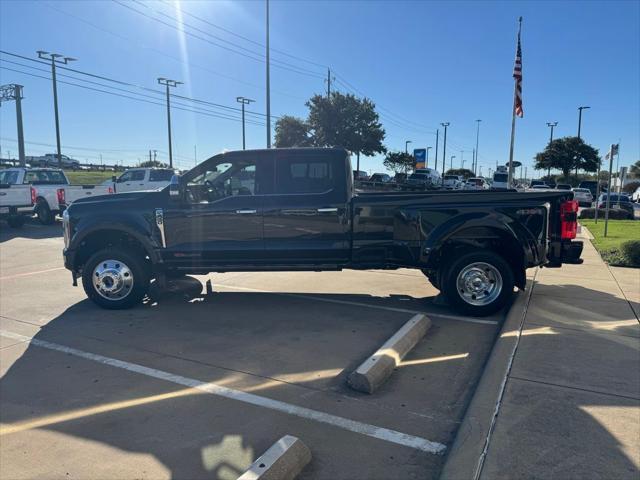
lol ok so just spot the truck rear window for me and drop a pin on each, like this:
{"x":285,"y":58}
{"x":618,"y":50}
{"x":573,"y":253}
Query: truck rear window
{"x":160,"y":175}
{"x":299,"y":176}
{"x":45,"y":177}
{"x":500,"y":177}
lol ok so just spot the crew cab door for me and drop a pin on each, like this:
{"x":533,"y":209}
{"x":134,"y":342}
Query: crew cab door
{"x":306,"y":219}
{"x":130,"y":181}
{"x":219,"y":220}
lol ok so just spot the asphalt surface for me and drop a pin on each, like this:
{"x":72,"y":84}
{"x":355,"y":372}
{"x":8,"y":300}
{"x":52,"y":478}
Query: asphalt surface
{"x":193,"y":384}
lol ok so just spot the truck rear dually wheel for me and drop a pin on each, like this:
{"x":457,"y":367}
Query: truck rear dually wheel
{"x":478,"y":283}
{"x":115,"y":278}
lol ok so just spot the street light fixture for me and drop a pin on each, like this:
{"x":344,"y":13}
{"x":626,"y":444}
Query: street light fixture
{"x":551,"y":125}
{"x":55,"y":58}
{"x":427,"y":159}
{"x":406,"y":146}
{"x":244,"y":101}
{"x":167,"y":82}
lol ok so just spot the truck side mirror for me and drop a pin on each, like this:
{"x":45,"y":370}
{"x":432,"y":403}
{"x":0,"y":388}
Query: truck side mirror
{"x":174,"y":188}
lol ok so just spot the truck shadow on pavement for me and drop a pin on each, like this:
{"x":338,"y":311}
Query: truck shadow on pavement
{"x":136,"y":426}
{"x":31,"y":229}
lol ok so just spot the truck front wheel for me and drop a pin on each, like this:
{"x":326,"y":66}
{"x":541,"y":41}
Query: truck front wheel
{"x":115,"y":278}
{"x":478,"y":283}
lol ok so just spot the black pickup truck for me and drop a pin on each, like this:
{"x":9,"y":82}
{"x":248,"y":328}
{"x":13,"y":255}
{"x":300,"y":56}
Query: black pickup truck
{"x":295,"y":210}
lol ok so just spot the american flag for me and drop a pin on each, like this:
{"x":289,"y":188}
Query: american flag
{"x":517,"y":74}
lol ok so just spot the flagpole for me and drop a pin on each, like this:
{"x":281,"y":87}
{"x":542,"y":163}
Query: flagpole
{"x":513,"y":118}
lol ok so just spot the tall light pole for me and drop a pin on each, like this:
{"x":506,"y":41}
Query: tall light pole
{"x":244,"y":101}
{"x":435,"y":167}
{"x":169,"y":83}
{"x":462,"y":156}
{"x":451,"y":162}
{"x":14,"y":92}
{"x":406,"y":146}
{"x":268,"y":84}
{"x":444,"y":147}
{"x":55,"y":58}
{"x":475,"y":155}
{"x":580,"y":118}
{"x":427,"y":161}
{"x":551,"y":125}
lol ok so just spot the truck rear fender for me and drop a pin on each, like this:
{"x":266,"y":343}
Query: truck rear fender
{"x":474,"y":231}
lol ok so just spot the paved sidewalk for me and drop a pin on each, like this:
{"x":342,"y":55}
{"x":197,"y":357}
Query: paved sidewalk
{"x":571,"y":406}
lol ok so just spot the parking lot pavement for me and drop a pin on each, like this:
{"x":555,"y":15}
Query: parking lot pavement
{"x":197,"y":385}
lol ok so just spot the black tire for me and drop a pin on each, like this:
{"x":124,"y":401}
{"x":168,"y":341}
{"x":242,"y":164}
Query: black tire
{"x":16,"y":222}
{"x":136,"y":267}
{"x":499,"y":286}
{"x":44,"y":213}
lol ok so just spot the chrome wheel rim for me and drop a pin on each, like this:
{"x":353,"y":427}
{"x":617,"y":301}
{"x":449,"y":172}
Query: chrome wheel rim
{"x":112,"y":279}
{"x":479,"y":283}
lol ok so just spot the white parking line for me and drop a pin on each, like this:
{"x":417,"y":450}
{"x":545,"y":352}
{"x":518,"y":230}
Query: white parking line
{"x":366,"y":305}
{"x":17,"y":275}
{"x":380,"y":433}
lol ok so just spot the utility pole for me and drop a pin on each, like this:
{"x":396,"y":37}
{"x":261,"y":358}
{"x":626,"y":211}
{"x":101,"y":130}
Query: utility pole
{"x":475,"y":155}
{"x":406,"y":146}
{"x":14,"y":92}
{"x":451,"y":162}
{"x":55,"y":58}
{"x":169,"y":83}
{"x":149,"y":157}
{"x":155,"y":155}
{"x":473,"y":162}
{"x":268,"y":85}
{"x":244,"y":101}
{"x":461,"y":156}
{"x":328,"y":80}
{"x":551,"y":125}
{"x":463,"y":163}
{"x":427,"y":160}
{"x":437,"y":135}
{"x":444,"y":147}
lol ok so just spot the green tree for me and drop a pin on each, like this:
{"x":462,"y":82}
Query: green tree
{"x":634,"y":170}
{"x":465,"y":172}
{"x":346,"y":121}
{"x":153,"y":163}
{"x":292,"y":132}
{"x":399,"y":162}
{"x":566,"y":154}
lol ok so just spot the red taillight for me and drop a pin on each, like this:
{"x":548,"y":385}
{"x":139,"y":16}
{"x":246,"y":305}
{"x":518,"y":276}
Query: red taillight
{"x":568,"y":219}
{"x":34,"y":196}
{"x":61,"y":197}
{"x":110,"y":190}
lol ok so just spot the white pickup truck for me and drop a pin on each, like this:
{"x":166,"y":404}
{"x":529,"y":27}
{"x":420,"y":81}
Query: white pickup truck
{"x":16,"y":202}
{"x":48,"y":182}
{"x":139,"y":179}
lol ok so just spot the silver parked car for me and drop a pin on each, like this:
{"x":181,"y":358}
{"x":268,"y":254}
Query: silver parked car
{"x":582,"y":196}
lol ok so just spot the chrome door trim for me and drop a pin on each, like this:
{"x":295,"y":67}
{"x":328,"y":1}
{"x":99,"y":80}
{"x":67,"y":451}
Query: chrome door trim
{"x":160,"y":225}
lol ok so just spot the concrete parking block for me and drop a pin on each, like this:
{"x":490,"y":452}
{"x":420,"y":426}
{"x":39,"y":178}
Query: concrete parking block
{"x":283,"y":461}
{"x":376,"y":369}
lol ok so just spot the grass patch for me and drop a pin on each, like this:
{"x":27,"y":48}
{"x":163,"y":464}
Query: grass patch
{"x":619,"y":232}
{"x":88,"y":178}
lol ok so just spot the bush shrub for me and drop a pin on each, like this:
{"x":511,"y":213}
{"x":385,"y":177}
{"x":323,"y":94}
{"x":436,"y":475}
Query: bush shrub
{"x":631,"y":186}
{"x":614,"y":214}
{"x":631,"y":251}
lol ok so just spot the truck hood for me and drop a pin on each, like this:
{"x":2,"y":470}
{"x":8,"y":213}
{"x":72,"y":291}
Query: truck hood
{"x":114,"y":199}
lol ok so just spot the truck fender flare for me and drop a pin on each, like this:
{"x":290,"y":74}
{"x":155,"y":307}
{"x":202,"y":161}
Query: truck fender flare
{"x":145,"y":238}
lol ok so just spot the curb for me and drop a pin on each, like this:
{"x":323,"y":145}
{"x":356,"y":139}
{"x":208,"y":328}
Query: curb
{"x":378,"y":367}
{"x":284,"y":460}
{"x":466,"y":455}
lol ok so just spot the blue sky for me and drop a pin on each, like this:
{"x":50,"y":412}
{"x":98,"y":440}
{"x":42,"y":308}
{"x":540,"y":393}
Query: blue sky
{"x":421,"y":62}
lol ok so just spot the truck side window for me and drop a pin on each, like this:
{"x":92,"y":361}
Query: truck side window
{"x":137,"y":175}
{"x":125,"y":177}
{"x":227,"y":179}
{"x":160,"y":175}
{"x":303,"y":176}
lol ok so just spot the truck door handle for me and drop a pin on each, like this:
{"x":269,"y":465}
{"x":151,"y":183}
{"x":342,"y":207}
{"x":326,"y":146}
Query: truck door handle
{"x":246,"y":212}
{"x":327,"y":210}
